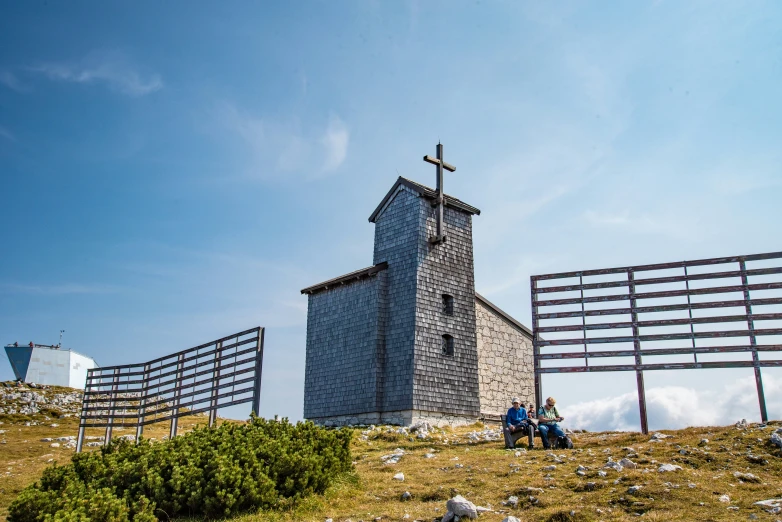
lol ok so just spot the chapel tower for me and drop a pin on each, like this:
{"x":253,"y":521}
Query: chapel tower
{"x":398,"y":342}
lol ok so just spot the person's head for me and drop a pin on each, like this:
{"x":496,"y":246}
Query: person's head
{"x":516,"y":402}
{"x":550,"y":402}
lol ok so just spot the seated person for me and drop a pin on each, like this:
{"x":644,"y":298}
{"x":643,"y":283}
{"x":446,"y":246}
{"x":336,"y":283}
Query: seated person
{"x":517,"y":420}
{"x":548,"y":417}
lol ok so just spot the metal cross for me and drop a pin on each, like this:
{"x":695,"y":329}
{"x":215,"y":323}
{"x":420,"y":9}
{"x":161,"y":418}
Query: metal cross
{"x":441,"y":164}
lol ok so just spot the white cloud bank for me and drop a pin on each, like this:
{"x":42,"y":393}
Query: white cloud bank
{"x":113,"y":69}
{"x":674,"y":407}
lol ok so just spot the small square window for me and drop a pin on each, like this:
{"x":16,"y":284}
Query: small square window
{"x":448,"y":304}
{"x":447,"y":345}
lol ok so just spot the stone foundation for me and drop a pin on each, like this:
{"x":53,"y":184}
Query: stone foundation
{"x":396,"y":418}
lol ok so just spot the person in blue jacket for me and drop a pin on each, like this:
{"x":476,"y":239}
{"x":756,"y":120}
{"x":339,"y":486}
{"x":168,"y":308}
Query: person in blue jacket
{"x":517,"y":419}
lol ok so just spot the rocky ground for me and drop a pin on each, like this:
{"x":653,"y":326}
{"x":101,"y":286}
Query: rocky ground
{"x":434,"y":474}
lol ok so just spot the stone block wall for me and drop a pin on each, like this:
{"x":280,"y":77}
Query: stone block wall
{"x":505,"y":366}
{"x":345,"y":349}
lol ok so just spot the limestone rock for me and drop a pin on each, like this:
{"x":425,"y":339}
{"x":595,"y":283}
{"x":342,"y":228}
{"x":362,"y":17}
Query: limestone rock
{"x":399,"y":476}
{"x":634,"y":489}
{"x":746,"y":477}
{"x":668,"y":467}
{"x":724,"y":499}
{"x":461,"y":507}
{"x":510,"y":519}
{"x":627,"y":463}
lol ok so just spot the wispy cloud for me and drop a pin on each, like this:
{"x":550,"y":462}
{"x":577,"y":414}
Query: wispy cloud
{"x":5,"y":133}
{"x":111,"y":68}
{"x":335,"y":143}
{"x":286,"y":146}
{"x":61,"y":289}
{"x":10,"y":80}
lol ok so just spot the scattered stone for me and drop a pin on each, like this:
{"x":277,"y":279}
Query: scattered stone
{"x":724,"y":499}
{"x":776,"y":438}
{"x":742,"y":424}
{"x":627,"y":463}
{"x":613,"y":465}
{"x":399,"y":476}
{"x":393,"y":458}
{"x":746,"y":477}
{"x":406,"y":496}
{"x":756,"y":459}
{"x":773,"y":503}
{"x":634,"y":489}
{"x":513,"y":501}
{"x":703,"y":442}
{"x":429,"y":455}
{"x":550,"y":468}
{"x":590,"y":486}
{"x":602,"y":473}
{"x":510,"y":519}
{"x":733,"y":508}
{"x":668,"y":467}
{"x":656,"y":437}
{"x":448,"y":517}
{"x":47,"y":439}
{"x":55,"y":444}
{"x":461,"y":507}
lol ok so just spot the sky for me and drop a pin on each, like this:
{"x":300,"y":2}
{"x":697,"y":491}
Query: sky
{"x":175,"y":172}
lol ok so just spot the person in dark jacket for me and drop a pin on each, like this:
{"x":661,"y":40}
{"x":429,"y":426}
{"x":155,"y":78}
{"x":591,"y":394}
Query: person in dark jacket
{"x":517,"y":416}
{"x":517,"y":420}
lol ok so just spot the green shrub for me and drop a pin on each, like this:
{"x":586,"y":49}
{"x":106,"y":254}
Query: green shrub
{"x":208,"y":472}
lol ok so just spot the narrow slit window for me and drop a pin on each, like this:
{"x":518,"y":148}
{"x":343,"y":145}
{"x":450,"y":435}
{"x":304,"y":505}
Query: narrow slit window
{"x":447,"y":345}
{"x":448,"y":304}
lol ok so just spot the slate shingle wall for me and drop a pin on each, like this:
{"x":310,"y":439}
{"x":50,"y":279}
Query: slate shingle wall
{"x":344,"y":345}
{"x":397,"y":242}
{"x":442,"y":383}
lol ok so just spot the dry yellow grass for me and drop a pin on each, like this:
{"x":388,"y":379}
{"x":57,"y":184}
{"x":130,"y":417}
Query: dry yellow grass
{"x":487,"y":474}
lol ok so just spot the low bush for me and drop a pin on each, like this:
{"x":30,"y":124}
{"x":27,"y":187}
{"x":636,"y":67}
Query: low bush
{"x":207,"y":472}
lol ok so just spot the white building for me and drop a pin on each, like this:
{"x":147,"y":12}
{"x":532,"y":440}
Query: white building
{"x":50,"y":365}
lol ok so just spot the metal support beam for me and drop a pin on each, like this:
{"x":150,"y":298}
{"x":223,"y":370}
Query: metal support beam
{"x":639,"y":374}
{"x":753,"y":341}
{"x":535,"y":345}
{"x":256,"y":404}
{"x":83,"y":414}
{"x":141,"y":406}
{"x":177,"y":392}
{"x":112,"y":405}
{"x":215,"y":384}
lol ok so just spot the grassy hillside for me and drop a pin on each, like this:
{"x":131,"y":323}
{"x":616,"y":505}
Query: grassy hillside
{"x":462,"y":461}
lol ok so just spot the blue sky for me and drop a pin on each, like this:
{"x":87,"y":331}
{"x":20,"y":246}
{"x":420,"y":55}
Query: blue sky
{"x":175,"y":172}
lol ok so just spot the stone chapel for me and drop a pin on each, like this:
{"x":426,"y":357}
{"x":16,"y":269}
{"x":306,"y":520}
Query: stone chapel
{"x":408,"y":339}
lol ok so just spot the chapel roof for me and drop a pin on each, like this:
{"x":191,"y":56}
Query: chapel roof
{"x":345,"y":279}
{"x":425,"y":192}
